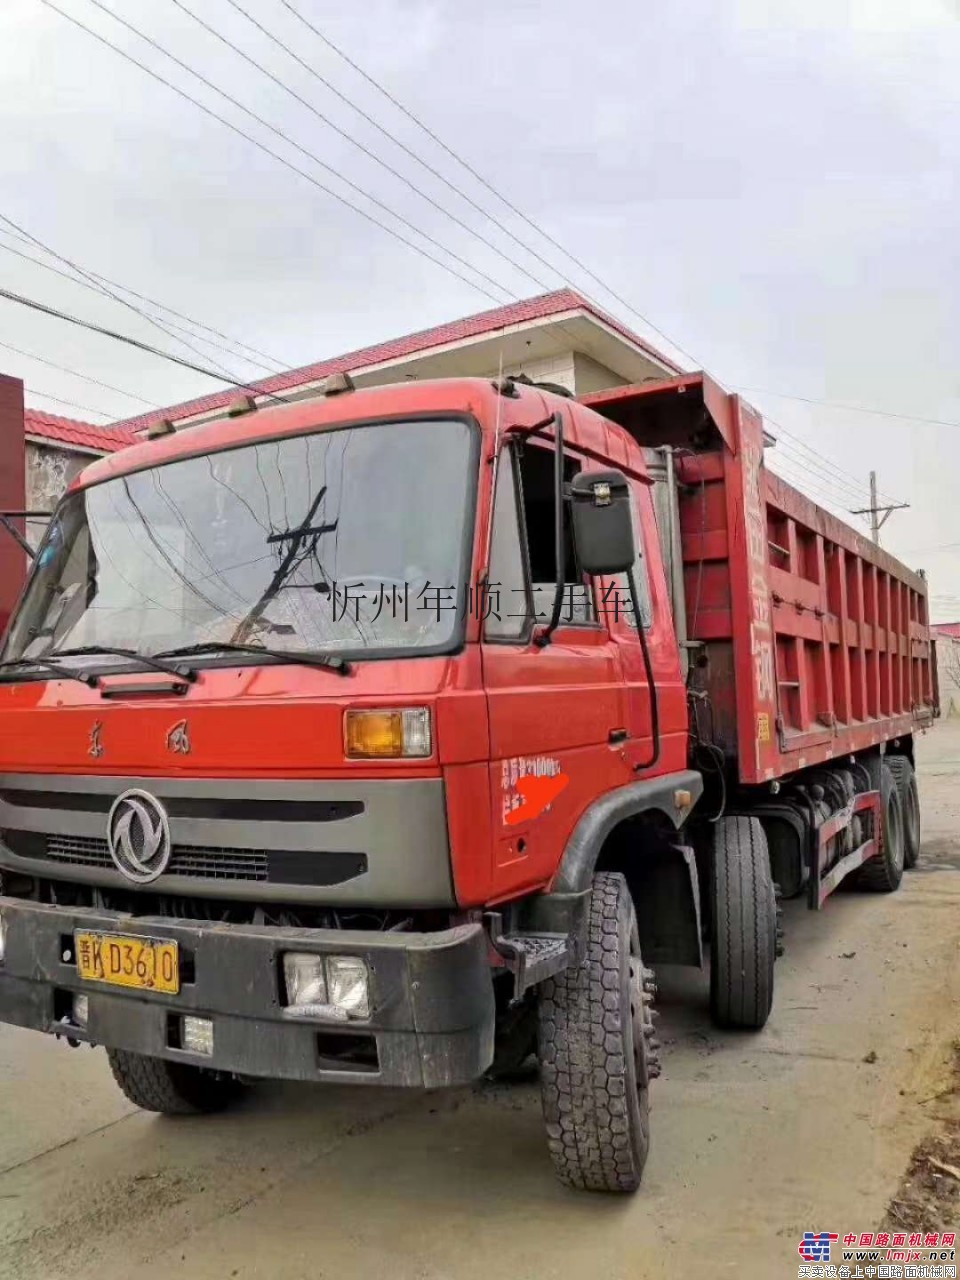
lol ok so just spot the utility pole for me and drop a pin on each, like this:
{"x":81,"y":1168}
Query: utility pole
{"x":879,"y":513}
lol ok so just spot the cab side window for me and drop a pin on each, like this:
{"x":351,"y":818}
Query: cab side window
{"x":510,"y":602}
{"x":619,"y":597}
{"x":523,"y":564}
{"x":536,"y":467}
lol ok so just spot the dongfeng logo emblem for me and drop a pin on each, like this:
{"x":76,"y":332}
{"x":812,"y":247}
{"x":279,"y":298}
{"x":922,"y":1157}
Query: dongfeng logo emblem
{"x":138,"y":834}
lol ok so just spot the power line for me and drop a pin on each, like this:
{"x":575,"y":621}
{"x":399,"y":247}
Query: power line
{"x":316,"y":159}
{"x":355,"y":142}
{"x":124,"y":302}
{"x":274,"y":367}
{"x":815,"y":486}
{"x":844,"y":492}
{"x":277,"y":366}
{"x":280,"y":133}
{"x":73,"y":404}
{"x":34,"y":305}
{"x":855,"y":408}
{"x":364,"y":149}
{"x":830,"y":468}
{"x":824,"y":484}
{"x":228,"y":124}
{"x":15,"y":233}
{"x":473,"y":172}
{"x":929,"y":551}
{"x":846,"y":477}
{"x":396,"y":173}
{"x":31,"y":355}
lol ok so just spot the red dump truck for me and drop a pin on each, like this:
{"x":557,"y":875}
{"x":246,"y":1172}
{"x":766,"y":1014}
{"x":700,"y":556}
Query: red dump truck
{"x":397,"y":735}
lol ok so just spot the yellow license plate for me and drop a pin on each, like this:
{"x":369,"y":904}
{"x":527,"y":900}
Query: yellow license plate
{"x":149,"y":964}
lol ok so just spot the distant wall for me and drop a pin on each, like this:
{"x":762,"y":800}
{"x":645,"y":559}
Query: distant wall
{"x":558,"y":368}
{"x":591,"y":375}
{"x":13,"y":562}
{"x":948,"y":671}
{"x":49,"y":471}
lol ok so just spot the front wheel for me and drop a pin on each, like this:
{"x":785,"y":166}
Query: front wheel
{"x":172,"y":1088}
{"x":597,"y":1051}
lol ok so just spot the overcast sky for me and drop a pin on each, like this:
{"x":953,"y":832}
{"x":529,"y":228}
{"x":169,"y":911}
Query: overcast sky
{"x":773,"y":183}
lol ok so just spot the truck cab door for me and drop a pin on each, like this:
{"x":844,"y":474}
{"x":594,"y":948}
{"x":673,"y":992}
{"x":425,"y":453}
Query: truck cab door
{"x":657,"y":619}
{"x":557,"y":712}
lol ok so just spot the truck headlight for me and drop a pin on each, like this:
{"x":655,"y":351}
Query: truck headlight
{"x":326,"y":986}
{"x":305,"y":978}
{"x":389,"y":733}
{"x":348,"y":985}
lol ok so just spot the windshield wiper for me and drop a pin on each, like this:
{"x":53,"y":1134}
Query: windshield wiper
{"x":65,"y":673}
{"x":148,"y":660}
{"x":340,"y":665}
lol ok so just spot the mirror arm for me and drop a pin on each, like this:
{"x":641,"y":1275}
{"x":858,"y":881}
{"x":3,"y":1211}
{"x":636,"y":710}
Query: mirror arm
{"x":544,"y":637}
{"x":17,"y":536}
{"x":651,"y":682}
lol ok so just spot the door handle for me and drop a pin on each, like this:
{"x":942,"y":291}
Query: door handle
{"x":617,"y":735}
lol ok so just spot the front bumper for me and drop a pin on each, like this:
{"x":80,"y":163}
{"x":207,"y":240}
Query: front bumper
{"x":432,"y":1003}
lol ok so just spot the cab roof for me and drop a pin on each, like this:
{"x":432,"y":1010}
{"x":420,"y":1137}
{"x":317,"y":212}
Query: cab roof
{"x":477,"y":397}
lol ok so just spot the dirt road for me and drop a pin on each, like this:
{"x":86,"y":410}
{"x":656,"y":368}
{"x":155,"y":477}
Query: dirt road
{"x":807,"y":1126}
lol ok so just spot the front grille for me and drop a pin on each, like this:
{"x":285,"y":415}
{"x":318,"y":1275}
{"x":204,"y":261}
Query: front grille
{"x":199,"y":861}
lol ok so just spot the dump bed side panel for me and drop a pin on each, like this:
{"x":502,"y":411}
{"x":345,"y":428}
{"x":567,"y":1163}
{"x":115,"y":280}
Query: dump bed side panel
{"x":823,"y":635}
{"x":809,"y":642}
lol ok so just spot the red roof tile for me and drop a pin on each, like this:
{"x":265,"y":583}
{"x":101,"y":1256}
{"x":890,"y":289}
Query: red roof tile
{"x":949,"y":629}
{"x":82,"y":435}
{"x":540,"y":308}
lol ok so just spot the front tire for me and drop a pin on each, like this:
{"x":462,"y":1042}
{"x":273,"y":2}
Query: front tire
{"x":744,"y":938}
{"x":171,"y":1088}
{"x":597,"y":1051}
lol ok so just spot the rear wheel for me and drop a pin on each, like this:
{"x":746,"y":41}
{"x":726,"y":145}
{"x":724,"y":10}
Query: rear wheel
{"x":744,"y":925}
{"x":906,"y":780}
{"x":172,"y":1088}
{"x":597,"y":1051}
{"x":884,"y":871}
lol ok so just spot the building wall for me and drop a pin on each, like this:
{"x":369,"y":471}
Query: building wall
{"x":12,"y":558}
{"x":948,"y":672}
{"x":590,"y":375}
{"x":49,"y":471}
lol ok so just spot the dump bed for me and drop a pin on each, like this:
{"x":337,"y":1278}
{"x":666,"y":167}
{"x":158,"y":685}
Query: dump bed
{"x":806,"y":640}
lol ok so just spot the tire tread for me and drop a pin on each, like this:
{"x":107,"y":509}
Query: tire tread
{"x":878,"y":875}
{"x":171,"y":1088}
{"x":744,"y":925}
{"x":584,"y":1079}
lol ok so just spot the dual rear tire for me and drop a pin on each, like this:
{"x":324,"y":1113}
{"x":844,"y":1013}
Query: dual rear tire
{"x":884,"y":871}
{"x":906,"y":780}
{"x":743,"y":909}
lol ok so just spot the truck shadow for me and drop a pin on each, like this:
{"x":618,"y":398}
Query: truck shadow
{"x":439,"y":1145}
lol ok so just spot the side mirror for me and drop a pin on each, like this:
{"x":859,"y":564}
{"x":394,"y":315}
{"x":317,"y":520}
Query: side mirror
{"x":602,"y":522}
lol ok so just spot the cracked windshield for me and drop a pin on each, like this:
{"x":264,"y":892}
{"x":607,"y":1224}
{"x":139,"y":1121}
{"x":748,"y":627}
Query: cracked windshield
{"x":347,"y":540}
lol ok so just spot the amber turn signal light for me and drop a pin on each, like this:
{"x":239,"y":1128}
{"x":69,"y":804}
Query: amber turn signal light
{"x":391,"y":733}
